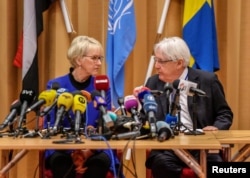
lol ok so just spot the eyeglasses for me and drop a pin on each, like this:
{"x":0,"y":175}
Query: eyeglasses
{"x":95,"y":58}
{"x":160,"y":61}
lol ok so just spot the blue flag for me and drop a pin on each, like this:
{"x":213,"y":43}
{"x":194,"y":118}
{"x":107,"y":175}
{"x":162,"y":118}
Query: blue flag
{"x":199,"y":32}
{"x":121,"y":38}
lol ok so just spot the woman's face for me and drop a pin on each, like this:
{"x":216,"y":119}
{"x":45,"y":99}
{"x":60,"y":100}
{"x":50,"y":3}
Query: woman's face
{"x":91,"y":62}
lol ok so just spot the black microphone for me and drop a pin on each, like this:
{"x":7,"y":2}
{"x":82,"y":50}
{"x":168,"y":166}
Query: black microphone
{"x":168,"y":89}
{"x":26,"y":98}
{"x":156,"y":92}
{"x":127,"y":135}
{"x":164,"y":131}
{"x":122,"y":107}
{"x":175,"y":104}
{"x":14,"y":111}
{"x":190,"y":88}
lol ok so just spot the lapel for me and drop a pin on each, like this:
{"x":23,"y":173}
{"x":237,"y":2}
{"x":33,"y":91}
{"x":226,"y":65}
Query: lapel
{"x":193,"y":77}
{"x":162,"y":98}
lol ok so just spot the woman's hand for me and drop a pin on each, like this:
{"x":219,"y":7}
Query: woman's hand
{"x":81,"y":170}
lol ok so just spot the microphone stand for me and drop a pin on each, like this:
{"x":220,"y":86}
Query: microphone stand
{"x":168,"y":103}
{"x":20,"y":128}
{"x":36,"y":131}
{"x":179,"y":123}
{"x":194,"y":114}
{"x":177,"y":130}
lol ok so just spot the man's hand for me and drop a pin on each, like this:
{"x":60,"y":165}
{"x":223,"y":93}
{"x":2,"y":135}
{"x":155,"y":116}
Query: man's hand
{"x":210,"y":128}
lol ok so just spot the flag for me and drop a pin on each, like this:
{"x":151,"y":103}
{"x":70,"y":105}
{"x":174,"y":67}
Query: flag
{"x":26,"y":56}
{"x":199,"y":32}
{"x":121,"y":37}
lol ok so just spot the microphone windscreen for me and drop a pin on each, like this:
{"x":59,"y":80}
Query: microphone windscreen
{"x":142,"y":94}
{"x":55,"y":86}
{"x":112,"y":115}
{"x":86,"y":94}
{"x":66,"y":100}
{"x":164,"y":131}
{"x":176,"y":84}
{"x":149,"y":103}
{"x":171,"y":120}
{"x":48,"y":96}
{"x":79,"y":103}
{"x":97,"y":99}
{"x":94,"y":94}
{"x":130,"y":102}
{"x":28,"y":96}
{"x":101,"y":82}
{"x":168,"y":87}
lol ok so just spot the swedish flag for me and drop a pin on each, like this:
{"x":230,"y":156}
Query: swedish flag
{"x":199,"y":32}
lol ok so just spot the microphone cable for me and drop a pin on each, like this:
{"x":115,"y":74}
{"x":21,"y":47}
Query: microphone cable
{"x":100,"y":137}
{"x":132,"y":157}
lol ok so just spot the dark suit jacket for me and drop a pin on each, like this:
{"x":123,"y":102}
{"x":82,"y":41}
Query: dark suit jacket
{"x":211,"y":110}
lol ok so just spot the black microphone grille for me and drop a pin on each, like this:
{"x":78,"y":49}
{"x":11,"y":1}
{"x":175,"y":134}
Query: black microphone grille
{"x":95,"y":93}
{"x":176,"y":84}
{"x":55,"y":86}
{"x":27,"y":95}
{"x":168,"y":87}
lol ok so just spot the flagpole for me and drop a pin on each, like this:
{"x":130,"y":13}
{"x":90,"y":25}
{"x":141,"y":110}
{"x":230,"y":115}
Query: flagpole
{"x":67,"y":21}
{"x":158,"y":35}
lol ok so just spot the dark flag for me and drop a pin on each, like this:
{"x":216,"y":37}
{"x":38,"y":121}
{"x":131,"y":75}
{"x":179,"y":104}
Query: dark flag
{"x":26,"y":56}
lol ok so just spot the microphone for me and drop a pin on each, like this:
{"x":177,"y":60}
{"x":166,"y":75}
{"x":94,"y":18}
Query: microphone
{"x":55,"y":86}
{"x":46,"y":97}
{"x":86,"y":94}
{"x":141,"y":94}
{"x":163,"y":130}
{"x":112,"y":115}
{"x":150,"y":107}
{"x":14,"y":111}
{"x":139,"y":89}
{"x":171,"y":118}
{"x":48,"y":108}
{"x":26,"y":98}
{"x":156,"y":92}
{"x":131,"y":105}
{"x":168,"y":89}
{"x":122,"y":107}
{"x":190,"y":88}
{"x":127,"y":135}
{"x":78,"y":107}
{"x":64,"y":103}
{"x":101,"y":83}
{"x":175,"y":106}
{"x":100,"y":104}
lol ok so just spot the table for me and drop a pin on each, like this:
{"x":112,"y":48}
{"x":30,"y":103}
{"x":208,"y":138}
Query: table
{"x":227,"y":138}
{"x":179,"y":145}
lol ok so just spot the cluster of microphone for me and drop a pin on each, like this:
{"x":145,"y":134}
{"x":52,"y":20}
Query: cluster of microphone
{"x":136,"y":119}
